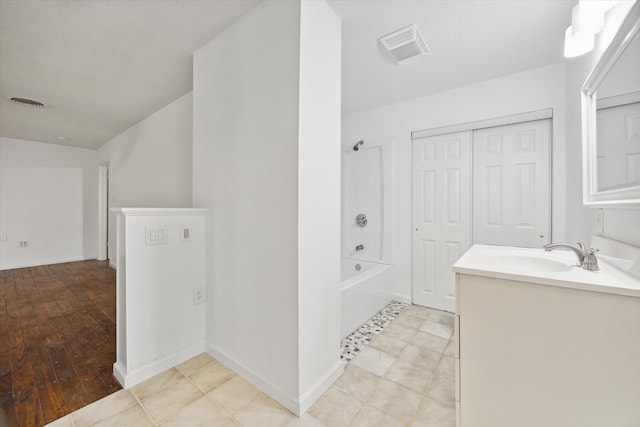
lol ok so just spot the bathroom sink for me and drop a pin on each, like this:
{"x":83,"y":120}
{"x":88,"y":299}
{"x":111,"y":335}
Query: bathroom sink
{"x":532,"y":262}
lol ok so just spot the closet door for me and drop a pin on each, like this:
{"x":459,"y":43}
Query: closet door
{"x":441,"y":215}
{"x":512,"y":184}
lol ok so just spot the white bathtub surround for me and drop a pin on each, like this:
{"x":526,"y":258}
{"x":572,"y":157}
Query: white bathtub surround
{"x":363,"y":292}
{"x":266,"y":161}
{"x":367,"y":189}
{"x":353,"y":343}
{"x":161,"y":272}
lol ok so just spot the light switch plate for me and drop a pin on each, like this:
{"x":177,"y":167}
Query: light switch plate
{"x":155,"y":235}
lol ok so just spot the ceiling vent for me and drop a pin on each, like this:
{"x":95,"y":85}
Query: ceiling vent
{"x":405,"y":44}
{"x":28,"y":102}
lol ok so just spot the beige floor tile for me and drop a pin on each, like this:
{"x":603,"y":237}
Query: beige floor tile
{"x":450,"y":350}
{"x":60,"y":422}
{"x":408,"y":320}
{"x":134,"y":416}
{"x":420,"y":357}
{"x":410,"y":376}
{"x":372,"y":360}
{"x":234,"y":394}
{"x":264,"y":412}
{"x":157,"y":383}
{"x":430,"y":341}
{"x":442,"y":389}
{"x":441,"y":317}
{"x":434,"y":414}
{"x":395,"y":400}
{"x":368,"y":416}
{"x":211,"y":376}
{"x":446,"y":367}
{"x":437,"y":329}
{"x":194,"y":364}
{"x":307,"y":420}
{"x":399,"y":332}
{"x":231,"y":423}
{"x":388,"y":344}
{"x":420,"y":312}
{"x":335,"y":408}
{"x":358,"y":382}
{"x":202,"y":412}
{"x":169,"y":401}
{"x":103,"y":408}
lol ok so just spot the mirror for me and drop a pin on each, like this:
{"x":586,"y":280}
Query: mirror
{"x":611,"y":121}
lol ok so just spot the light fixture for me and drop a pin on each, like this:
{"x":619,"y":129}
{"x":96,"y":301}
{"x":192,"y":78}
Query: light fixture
{"x":404,"y":44}
{"x":576,"y":46}
{"x":587,"y":20}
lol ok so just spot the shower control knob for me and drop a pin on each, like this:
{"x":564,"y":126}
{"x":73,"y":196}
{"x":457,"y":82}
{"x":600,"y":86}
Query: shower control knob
{"x":361,"y":220}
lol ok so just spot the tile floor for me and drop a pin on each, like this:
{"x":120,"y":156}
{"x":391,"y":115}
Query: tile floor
{"x":404,"y":377}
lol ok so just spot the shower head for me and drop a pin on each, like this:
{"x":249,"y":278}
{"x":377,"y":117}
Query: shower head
{"x":359,"y":143}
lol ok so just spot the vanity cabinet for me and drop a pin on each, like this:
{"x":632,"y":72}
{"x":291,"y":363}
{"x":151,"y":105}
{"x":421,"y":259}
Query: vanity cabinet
{"x":544,"y":351}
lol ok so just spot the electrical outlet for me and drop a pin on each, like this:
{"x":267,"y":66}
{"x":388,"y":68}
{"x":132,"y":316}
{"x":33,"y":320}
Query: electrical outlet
{"x":23,"y":244}
{"x":198,"y":295}
{"x":599,"y":225}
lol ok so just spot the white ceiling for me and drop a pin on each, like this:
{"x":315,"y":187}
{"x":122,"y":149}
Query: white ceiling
{"x":102,"y":66}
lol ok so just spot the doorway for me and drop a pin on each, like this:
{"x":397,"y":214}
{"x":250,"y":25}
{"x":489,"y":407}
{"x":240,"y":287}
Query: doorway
{"x":103,"y":212}
{"x":487,"y":184}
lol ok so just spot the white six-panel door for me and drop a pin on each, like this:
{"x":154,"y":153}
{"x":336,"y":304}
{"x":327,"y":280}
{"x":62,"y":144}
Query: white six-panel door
{"x":441,"y":220}
{"x":511,"y":184}
{"x":508,"y":203}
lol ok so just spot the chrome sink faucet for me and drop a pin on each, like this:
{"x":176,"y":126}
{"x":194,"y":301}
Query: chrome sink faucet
{"x":586,"y":257}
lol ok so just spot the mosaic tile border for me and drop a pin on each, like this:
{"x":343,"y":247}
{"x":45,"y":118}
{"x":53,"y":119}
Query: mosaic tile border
{"x":361,"y":337}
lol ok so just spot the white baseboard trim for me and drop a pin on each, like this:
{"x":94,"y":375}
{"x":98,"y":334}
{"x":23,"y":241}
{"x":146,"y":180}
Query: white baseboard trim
{"x":296,"y":404}
{"x":45,"y":262}
{"x":400,"y":298}
{"x":128,"y":380}
{"x":308,"y":398}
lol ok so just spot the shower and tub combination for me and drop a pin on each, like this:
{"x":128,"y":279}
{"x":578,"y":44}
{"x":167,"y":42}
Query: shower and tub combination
{"x":366,"y":231}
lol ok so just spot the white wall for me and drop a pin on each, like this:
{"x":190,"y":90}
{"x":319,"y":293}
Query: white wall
{"x":150,"y":164}
{"x":266,"y":164}
{"x":319,"y":200}
{"x":48,"y":197}
{"x":619,"y":224}
{"x":159,"y":326}
{"x":532,"y":90}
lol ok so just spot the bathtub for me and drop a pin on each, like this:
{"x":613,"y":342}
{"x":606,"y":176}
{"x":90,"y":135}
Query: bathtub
{"x":364,"y":292}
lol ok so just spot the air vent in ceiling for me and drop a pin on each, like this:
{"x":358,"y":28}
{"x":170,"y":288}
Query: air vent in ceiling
{"x":405,"y":44}
{"x":28,"y":102}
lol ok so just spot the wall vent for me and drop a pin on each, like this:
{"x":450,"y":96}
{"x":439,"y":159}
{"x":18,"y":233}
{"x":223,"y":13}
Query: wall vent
{"x":405,"y":44}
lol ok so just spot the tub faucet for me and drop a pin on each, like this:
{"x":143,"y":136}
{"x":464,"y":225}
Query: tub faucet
{"x":359,"y":247}
{"x":586,"y":257}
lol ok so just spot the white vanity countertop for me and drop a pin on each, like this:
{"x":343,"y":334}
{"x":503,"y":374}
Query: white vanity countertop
{"x":555,"y":268}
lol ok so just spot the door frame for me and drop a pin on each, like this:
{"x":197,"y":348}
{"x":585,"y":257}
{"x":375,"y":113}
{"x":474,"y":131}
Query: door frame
{"x":103,"y":212}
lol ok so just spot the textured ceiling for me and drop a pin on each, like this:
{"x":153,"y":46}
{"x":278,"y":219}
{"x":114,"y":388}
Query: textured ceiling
{"x":102,"y":66}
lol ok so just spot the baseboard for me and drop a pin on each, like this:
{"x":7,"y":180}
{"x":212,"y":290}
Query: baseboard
{"x":128,"y":380}
{"x":400,"y":298}
{"x":285,"y":399}
{"x":308,"y":398}
{"x":297,"y":405}
{"x":46,"y":262}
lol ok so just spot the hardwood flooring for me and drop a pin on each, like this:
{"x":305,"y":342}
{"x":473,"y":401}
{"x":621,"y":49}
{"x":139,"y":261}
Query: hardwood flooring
{"x":57,"y":340}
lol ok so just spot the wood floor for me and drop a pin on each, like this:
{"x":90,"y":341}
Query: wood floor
{"x":57,"y":340}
